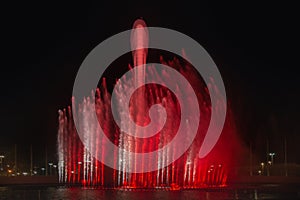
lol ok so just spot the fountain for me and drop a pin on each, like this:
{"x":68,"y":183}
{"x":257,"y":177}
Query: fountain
{"x":76,"y":165}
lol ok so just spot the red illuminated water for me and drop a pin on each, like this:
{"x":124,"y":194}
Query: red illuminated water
{"x":78,"y":166}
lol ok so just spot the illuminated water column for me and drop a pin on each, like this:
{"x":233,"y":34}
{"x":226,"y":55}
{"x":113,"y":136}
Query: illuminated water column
{"x":139,"y":41}
{"x":139,"y":45}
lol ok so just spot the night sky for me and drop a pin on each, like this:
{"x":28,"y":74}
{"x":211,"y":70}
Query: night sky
{"x":254,"y":46}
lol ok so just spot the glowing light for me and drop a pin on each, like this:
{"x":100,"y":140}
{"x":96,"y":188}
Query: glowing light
{"x":269,"y":162}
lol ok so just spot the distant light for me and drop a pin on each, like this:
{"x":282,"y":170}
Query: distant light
{"x":7,"y":166}
{"x":34,"y":172}
{"x":188,"y":162}
{"x":72,"y":172}
{"x":212,"y":166}
{"x":2,"y":156}
{"x":79,"y":163}
{"x":25,"y":173}
{"x":54,"y":166}
{"x":220,"y":165}
{"x":9,"y":171}
{"x":259,"y":171}
{"x":18,"y":174}
{"x":50,"y":163}
{"x":269,"y":162}
{"x":271,"y":154}
{"x":262,"y":164}
{"x":42,"y":168}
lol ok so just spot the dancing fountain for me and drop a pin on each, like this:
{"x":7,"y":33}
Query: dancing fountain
{"x":76,"y":165}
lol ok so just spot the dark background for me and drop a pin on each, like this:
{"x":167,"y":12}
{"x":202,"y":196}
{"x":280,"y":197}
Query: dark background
{"x":253,"y":44}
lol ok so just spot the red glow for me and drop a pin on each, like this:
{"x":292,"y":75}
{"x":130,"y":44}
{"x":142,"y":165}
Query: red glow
{"x":77,"y":166}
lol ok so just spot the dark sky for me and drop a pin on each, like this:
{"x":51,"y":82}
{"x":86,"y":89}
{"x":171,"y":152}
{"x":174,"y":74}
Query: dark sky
{"x":254,"y":46}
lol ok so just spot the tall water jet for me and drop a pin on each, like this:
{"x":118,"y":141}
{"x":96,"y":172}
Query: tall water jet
{"x":78,"y":166}
{"x":139,"y":44}
{"x":139,"y":40}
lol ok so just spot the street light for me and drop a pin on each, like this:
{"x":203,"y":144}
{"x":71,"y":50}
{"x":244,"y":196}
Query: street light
{"x":1,"y":157}
{"x":262,"y":167}
{"x":50,"y":164}
{"x":43,"y":170}
{"x":1,"y":160}
{"x":272,"y":157}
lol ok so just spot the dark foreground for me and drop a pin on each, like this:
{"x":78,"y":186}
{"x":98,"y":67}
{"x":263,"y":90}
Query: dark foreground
{"x":269,"y":191}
